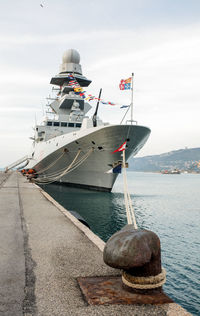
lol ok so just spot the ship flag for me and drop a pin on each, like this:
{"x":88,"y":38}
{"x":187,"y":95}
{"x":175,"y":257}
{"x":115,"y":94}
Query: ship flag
{"x":121,"y":148}
{"x":124,"y":106}
{"x":88,"y":97}
{"x":125,"y":84}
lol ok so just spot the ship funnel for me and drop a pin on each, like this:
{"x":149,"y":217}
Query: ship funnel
{"x":70,"y":62}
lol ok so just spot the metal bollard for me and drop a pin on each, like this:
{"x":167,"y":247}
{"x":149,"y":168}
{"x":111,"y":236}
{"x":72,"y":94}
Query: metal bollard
{"x":137,"y":252}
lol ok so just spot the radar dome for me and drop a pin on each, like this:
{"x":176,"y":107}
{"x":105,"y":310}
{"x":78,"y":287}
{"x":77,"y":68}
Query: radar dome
{"x":70,"y":62}
{"x":71,"y":56}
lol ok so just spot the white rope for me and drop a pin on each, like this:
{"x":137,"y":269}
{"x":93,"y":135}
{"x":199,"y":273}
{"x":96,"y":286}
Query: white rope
{"x":125,"y":195}
{"x":60,"y":172}
{"x":53,"y":179}
{"x":55,"y":176}
{"x":144,"y":283}
{"x":51,"y":165}
{"x":128,"y":203}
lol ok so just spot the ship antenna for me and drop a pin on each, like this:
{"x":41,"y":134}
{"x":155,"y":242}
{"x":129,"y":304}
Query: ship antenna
{"x":132,"y":99}
{"x":35,"y":120}
{"x":95,"y":113}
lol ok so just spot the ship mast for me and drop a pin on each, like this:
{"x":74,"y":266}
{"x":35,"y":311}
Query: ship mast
{"x":131,"y":105}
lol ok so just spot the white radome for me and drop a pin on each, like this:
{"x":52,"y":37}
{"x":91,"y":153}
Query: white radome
{"x":71,"y":56}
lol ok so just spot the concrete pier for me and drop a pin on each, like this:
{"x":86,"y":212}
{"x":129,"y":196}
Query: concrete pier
{"x":43,"y":250}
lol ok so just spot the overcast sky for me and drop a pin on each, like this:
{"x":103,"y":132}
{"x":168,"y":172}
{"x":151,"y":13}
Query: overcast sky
{"x":158,"y":40}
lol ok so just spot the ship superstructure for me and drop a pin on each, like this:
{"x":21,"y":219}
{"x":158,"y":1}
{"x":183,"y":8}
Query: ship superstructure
{"x":70,"y":147}
{"x":69,"y":107}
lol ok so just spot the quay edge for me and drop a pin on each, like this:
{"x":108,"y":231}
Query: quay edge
{"x":40,"y":237}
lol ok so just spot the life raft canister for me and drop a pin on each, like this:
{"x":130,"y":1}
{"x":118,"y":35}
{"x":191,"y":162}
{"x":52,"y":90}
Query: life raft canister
{"x":31,"y":171}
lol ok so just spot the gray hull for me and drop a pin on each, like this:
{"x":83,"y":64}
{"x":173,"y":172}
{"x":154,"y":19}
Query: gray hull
{"x":96,"y":171}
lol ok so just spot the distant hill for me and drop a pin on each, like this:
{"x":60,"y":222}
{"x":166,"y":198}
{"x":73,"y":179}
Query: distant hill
{"x":182,"y":159}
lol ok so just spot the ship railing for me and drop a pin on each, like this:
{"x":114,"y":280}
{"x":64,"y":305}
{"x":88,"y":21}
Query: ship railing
{"x":132,"y":122}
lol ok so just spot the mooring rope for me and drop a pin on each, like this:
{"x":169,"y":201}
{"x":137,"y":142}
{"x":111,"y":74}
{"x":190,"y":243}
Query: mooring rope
{"x":50,"y":179}
{"x":60,"y":172}
{"x":52,"y":164}
{"x":128,"y":203}
{"x":56,"y":176}
{"x":144,"y":283}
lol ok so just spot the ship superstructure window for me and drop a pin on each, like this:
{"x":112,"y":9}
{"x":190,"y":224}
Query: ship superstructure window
{"x":78,"y":124}
{"x":64,"y":124}
{"x":56,"y":123}
{"x":71,"y":124}
{"x":49,"y":123}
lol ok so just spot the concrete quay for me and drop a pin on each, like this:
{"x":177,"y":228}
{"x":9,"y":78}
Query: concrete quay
{"x":43,"y":250}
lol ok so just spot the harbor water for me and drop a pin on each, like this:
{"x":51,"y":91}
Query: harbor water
{"x":169,"y":205}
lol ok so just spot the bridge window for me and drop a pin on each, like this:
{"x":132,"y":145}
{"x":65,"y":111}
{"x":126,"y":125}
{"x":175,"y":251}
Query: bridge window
{"x":64,"y":124}
{"x":49,"y":123}
{"x":71,"y":125}
{"x":56,"y":123}
{"x":78,"y":124}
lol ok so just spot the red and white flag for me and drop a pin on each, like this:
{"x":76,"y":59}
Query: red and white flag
{"x":121,"y":148}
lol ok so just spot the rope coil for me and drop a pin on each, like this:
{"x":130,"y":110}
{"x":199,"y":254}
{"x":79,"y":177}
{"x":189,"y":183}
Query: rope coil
{"x":150,"y":282}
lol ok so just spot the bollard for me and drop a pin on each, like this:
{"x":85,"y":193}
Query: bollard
{"x":137,"y":252}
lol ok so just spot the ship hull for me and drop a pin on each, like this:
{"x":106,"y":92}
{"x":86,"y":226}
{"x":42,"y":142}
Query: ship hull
{"x":89,"y":153}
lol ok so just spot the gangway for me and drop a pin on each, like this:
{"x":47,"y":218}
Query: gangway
{"x":16,"y":163}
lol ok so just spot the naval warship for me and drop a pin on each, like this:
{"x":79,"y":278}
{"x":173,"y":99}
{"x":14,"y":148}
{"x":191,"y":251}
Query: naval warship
{"x":72,"y":148}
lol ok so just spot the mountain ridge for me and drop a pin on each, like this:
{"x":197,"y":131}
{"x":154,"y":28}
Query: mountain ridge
{"x":186,"y":159}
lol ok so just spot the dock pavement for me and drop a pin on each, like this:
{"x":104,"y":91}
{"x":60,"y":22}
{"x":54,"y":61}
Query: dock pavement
{"x":43,"y":250}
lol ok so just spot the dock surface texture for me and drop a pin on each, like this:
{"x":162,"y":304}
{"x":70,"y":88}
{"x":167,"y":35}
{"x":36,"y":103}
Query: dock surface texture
{"x":43,"y":252}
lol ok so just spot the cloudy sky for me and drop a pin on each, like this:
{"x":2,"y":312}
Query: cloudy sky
{"x":158,"y":40}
